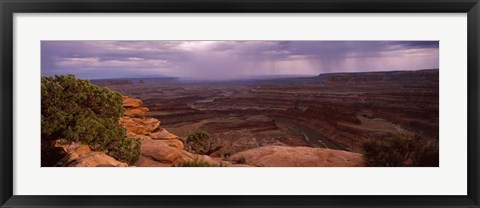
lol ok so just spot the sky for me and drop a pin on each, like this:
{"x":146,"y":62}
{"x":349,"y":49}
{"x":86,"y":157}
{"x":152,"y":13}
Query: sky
{"x":224,"y":60}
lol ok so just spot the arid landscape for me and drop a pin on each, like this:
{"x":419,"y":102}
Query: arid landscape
{"x":240,"y":103}
{"x":336,"y":111}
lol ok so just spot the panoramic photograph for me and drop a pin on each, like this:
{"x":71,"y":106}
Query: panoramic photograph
{"x":158,"y":103}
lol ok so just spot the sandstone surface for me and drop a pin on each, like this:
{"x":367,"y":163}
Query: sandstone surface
{"x":283,"y":156}
{"x":80,"y":155}
{"x":139,"y":125}
{"x":96,"y":159}
{"x":131,"y":102}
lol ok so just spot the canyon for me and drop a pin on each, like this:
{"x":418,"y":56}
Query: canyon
{"x":331,"y":112}
{"x":318,"y":121}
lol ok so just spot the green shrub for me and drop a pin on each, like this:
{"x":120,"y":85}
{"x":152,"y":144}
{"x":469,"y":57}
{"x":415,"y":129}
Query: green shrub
{"x":76,"y":110}
{"x":199,"y":142}
{"x":199,"y":163}
{"x":125,"y":150}
{"x":403,"y":149}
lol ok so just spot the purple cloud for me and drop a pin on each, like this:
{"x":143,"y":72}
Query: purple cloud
{"x":232,"y":59}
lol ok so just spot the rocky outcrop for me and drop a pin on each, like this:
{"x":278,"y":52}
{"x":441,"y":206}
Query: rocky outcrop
{"x":160,"y":152}
{"x":283,"y":156}
{"x":163,"y":134}
{"x":133,"y":107}
{"x":159,"y":147}
{"x":164,"y":153}
{"x":96,"y":159}
{"x":140,"y":111}
{"x":139,"y":125}
{"x":146,"y":128}
{"x":129,"y":102}
{"x":80,"y":155}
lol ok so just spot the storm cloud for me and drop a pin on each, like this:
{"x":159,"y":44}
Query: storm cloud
{"x":221,"y":60}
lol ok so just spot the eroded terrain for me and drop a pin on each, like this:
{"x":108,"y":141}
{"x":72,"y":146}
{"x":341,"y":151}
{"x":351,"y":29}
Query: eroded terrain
{"x":336,"y":111}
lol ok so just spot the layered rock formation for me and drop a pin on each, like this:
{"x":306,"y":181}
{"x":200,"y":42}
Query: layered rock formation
{"x":144,"y":128}
{"x":133,"y":107}
{"x":159,"y":147}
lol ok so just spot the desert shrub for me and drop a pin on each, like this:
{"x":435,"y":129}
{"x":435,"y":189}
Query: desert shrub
{"x":226,"y":152}
{"x":200,"y":142}
{"x":76,"y":110}
{"x":198,"y":163}
{"x":125,"y":150}
{"x":404,"y":149}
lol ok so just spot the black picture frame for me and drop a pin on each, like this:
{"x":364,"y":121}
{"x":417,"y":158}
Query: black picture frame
{"x":9,"y":7}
